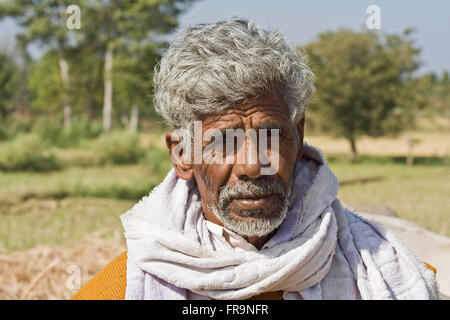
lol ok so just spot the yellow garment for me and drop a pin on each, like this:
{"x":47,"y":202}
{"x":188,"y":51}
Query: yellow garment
{"x":111,"y":282}
{"x":429,"y":266}
{"x":108,"y":284}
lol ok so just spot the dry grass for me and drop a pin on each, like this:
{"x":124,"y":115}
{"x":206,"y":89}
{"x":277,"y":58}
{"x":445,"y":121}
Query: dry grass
{"x":417,"y":193}
{"x":436,"y":144}
{"x":34,"y":222}
{"x":47,"y":272}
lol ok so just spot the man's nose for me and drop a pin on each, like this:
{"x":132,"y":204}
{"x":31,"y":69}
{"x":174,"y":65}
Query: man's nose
{"x":247,"y":163}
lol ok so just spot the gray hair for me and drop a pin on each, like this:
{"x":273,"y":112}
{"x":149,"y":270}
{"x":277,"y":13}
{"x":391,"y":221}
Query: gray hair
{"x":216,"y":66}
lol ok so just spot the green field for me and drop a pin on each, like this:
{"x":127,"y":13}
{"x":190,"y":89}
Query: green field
{"x":61,"y":205}
{"x":418,"y":193}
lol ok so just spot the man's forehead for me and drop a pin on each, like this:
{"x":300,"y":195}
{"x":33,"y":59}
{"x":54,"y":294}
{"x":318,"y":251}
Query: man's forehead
{"x":269,"y":108}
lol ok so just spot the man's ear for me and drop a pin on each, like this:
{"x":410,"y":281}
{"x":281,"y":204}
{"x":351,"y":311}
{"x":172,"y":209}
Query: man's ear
{"x":180,"y":160}
{"x":301,"y":130}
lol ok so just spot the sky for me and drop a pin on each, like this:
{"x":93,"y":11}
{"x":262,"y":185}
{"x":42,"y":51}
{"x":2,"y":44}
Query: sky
{"x":300,"y":21}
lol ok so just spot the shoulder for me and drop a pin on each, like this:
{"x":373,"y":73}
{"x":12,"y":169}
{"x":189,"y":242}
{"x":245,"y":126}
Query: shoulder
{"x":109,"y":284}
{"x":371,"y":228}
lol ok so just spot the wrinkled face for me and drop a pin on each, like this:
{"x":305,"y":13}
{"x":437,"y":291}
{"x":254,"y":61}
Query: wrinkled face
{"x":236,"y":195}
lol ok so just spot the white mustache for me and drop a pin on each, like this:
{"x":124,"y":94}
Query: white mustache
{"x":250,"y":189}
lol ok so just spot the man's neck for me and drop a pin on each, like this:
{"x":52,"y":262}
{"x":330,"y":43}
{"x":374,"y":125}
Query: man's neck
{"x":259,"y":242}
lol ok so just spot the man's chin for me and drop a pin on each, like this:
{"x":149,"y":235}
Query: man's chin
{"x":252,"y":223}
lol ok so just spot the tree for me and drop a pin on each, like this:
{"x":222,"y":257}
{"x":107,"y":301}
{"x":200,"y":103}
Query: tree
{"x":133,"y":85}
{"x":114,"y":26}
{"x":108,"y":28}
{"x":45,"y":23}
{"x":9,"y":83}
{"x":363,"y":83}
{"x":45,"y":84}
{"x":85,"y":92}
{"x":440,"y":96}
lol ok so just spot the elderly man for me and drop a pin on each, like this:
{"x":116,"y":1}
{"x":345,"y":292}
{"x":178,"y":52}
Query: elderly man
{"x":259,"y":219}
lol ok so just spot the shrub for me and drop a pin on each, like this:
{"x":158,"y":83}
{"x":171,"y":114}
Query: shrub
{"x":27,"y":152}
{"x":119,"y":147}
{"x":55,"y":134}
{"x":158,"y":160}
{"x":113,"y":191}
{"x":11,"y":127}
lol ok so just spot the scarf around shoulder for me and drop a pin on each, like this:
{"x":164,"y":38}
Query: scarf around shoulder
{"x":320,"y":251}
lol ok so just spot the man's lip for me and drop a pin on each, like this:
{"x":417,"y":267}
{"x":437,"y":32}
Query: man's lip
{"x":255,"y":203}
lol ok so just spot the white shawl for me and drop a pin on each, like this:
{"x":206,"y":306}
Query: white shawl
{"x":320,"y":251}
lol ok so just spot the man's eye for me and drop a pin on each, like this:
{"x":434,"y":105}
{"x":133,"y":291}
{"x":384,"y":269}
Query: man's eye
{"x":270,"y":131}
